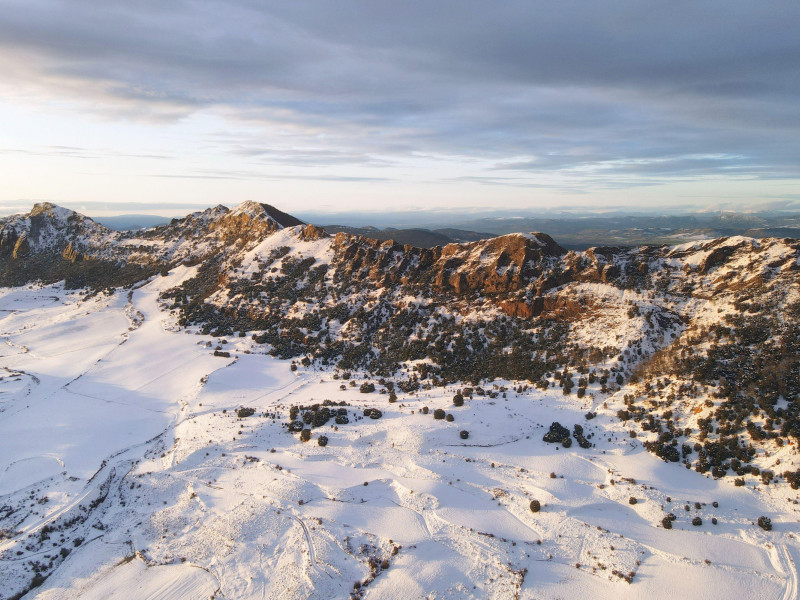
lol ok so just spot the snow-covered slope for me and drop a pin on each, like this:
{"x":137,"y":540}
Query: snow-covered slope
{"x":126,"y":463}
{"x":125,"y":471}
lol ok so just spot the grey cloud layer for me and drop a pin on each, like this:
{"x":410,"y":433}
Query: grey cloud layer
{"x":624,"y":89}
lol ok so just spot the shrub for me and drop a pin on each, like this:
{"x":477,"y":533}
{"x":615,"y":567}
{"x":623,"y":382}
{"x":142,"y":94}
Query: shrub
{"x":305,"y":435}
{"x":392,"y":396}
{"x":375,"y":414}
{"x":557,"y":433}
{"x":458,"y":400}
{"x":296,"y":426}
{"x":449,"y":418}
{"x":566,"y":442}
{"x":322,"y":440}
{"x":632,"y":500}
{"x":245,"y":412}
{"x":697,"y":521}
{"x":793,"y":478}
{"x":425,"y":410}
{"x":342,"y":420}
{"x":367,"y":387}
{"x":536,"y":506}
{"x":765,"y":523}
{"x":666,"y":522}
{"x":464,"y":434}
{"x":438,"y":414}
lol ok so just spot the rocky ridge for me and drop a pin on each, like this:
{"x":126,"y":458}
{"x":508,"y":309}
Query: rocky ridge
{"x":697,"y":343}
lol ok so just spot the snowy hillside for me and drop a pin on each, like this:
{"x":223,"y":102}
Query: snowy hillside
{"x":158,"y":386}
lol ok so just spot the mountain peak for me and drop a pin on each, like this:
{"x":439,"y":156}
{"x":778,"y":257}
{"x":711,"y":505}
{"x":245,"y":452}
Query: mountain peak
{"x":260,"y":210}
{"x":52,"y":210}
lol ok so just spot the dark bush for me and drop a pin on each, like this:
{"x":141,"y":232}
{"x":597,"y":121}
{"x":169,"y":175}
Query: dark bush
{"x":296,"y":426}
{"x":425,"y":410}
{"x":697,"y":521}
{"x":464,"y":434}
{"x":322,"y":440}
{"x":765,"y":523}
{"x":556,"y":434}
{"x":438,"y":414}
{"x":458,"y":400}
{"x":375,"y":414}
{"x":320,"y":417}
{"x":449,"y":418}
{"x":342,"y":420}
{"x":305,"y":435}
{"x":632,"y":500}
{"x":566,"y":442}
{"x":536,"y":506}
{"x":245,"y":412}
{"x":666,"y":522}
{"x":367,"y":388}
{"x":577,"y":433}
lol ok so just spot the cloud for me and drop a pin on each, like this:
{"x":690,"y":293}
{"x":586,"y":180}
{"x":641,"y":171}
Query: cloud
{"x":79,"y":152}
{"x":617,"y":93}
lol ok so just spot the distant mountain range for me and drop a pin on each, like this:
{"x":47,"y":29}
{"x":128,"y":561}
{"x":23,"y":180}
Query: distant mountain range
{"x":130,"y":222}
{"x":578,"y":232}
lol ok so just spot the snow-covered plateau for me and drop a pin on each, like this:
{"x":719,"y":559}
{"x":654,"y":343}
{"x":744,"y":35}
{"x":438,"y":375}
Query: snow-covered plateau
{"x":128,"y":471}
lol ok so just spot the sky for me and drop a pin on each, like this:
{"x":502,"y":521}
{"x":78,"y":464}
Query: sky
{"x":375,"y":106}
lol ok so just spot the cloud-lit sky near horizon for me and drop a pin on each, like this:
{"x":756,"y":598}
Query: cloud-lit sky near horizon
{"x":120,"y":107}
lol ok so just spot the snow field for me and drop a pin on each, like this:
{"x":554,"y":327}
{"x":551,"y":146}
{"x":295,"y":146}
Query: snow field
{"x":133,"y":428}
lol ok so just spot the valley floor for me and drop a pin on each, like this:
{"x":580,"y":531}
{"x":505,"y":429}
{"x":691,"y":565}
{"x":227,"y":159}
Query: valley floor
{"x":126,"y":473}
